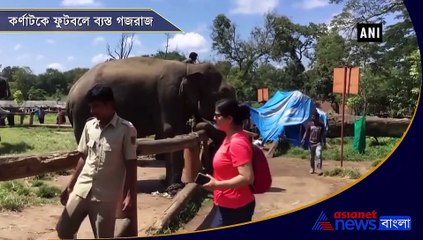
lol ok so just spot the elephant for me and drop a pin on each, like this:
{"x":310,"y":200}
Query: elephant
{"x":4,"y":88}
{"x":157,"y":96}
{"x":4,"y":93}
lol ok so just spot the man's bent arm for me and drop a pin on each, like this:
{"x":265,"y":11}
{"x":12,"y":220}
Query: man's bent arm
{"x":131,"y":176}
{"x":78,"y":169}
{"x":83,"y":152}
{"x":130,"y":154}
{"x":306,"y":133}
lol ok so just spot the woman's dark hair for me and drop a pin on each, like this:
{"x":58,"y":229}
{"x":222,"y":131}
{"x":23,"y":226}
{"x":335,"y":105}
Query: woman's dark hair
{"x":230,"y":107}
{"x":100,"y":93}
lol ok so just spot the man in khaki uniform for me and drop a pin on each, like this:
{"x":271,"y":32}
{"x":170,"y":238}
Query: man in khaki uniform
{"x":105,"y":178}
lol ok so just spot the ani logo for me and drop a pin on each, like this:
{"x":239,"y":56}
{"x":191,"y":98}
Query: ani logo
{"x":322,"y":223}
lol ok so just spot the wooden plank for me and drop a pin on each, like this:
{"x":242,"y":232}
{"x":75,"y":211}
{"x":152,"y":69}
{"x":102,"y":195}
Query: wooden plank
{"x":352,"y":81}
{"x":13,"y":167}
{"x":41,"y":125}
{"x":375,"y":126}
{"x":169,"y":145}
{"x":273,"y":147}
{"x":190,"y":191}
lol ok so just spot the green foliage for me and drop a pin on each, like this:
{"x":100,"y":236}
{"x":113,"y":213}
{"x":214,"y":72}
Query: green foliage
{"x":351,"y":173}
{"x":36,"y":94}
{"x":375,"y":150}
{"x":18,"y":97}
{"x":355,"y":104}
{"x":22,"y":79}
{"x":173,"y":55}
{"x":375,"y":163}
{"x":45,"y":191}
{"x":51,"y":85}
{"x":18,"y":194}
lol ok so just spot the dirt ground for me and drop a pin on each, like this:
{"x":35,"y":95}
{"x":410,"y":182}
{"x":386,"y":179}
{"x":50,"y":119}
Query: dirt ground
{"x":292,"y":187}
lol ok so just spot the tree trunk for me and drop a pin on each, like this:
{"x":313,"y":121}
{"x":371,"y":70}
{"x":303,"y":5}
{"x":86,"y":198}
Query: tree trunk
{"x":375,"y":126}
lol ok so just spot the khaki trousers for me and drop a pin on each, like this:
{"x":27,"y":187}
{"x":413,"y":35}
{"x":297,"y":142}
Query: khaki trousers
{"x":102,"y":217}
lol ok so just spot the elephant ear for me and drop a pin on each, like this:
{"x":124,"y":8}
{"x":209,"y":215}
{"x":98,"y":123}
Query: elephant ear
{"x":190,"y":85}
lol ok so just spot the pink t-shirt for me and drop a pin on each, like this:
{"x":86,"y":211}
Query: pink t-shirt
{"x":232,"y":153}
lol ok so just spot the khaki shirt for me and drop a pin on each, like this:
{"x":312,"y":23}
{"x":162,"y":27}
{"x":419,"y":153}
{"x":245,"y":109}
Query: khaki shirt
{"x":105,"y":150}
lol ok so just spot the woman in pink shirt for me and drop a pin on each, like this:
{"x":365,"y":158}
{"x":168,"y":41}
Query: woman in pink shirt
{"x":232,"y":167}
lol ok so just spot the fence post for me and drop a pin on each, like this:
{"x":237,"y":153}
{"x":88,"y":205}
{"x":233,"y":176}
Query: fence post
{"x":31,"y":119}
{"x":192,"y":164}
{"x":22,"y":118}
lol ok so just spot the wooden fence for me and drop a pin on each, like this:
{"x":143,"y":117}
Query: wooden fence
{"x":14,"y":167}
{"x":31,"y":123}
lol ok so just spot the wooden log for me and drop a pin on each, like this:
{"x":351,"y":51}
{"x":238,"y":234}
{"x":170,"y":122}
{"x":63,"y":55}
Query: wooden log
{"x":192,"y":164}
{"x":52,"y":125}
{"x":375,"y":126}
{"x":181,"y":199}
{"x":168,"y":145}
{"x":13,"y":167}
{"x":43,"y":125}
{"x":272,"y":149}
{"x":206,"y":161}
{"x":31,"y":119}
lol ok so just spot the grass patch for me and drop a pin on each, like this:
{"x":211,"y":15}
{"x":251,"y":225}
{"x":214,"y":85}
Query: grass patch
{"x":18,"y":194}
{"x":36,"y":140}
{"x":186,"y":214}
{"x":375,"y":163}
{"x":375,"y":150}
{"x":351,"y":173}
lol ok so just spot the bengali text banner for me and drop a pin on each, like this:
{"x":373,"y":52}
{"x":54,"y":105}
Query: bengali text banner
{"x":31,"y":20}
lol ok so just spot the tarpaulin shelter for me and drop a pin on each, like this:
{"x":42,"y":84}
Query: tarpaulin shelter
{"x":283,"y":115}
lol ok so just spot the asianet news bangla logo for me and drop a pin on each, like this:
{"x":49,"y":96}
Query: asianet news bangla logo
{"x":363,"y":221}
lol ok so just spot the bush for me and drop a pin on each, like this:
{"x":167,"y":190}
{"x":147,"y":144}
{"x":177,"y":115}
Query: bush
{"x":17,"y":194}
{"x":375,"y":150}
{"x":45,"y":191}
{"x":351,"y":173}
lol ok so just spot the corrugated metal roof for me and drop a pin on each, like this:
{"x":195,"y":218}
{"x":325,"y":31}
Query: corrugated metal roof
{"x":30,"y":104}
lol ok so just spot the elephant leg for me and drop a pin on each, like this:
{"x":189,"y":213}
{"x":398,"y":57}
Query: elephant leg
{"x":160,"y":156}
{"x":174,"y":167}
{"x":174,"y":164}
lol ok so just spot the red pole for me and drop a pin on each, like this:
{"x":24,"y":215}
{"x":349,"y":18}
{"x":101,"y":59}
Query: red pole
{"x":343,"y":115}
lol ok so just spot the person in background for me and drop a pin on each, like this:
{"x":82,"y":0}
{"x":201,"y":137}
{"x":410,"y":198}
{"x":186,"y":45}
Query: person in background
{"x":314,"y":133}
{"x":105,"y":173}
{"x":61,"y":116}
{"x":232,"y":167}
{"x":40,"y":113}
{"x":3,"y":115}
{"x":192,"y":58}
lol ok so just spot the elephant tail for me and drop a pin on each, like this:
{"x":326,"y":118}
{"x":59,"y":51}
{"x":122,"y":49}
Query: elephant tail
{"x":69,"y":112}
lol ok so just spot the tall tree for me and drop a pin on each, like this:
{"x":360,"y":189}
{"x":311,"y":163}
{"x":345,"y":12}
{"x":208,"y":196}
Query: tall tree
{"x":330,"y":52}
{"x":242,"y":53}
{"x":123,"y":47}
{"x":362,"y":11}
{"x":386,"y":86}
{"x":22,"y":79}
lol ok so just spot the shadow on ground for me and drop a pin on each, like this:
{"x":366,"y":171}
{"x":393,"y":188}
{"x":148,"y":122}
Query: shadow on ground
{"x":276,"y":189}
{"x":150,"y":185}
{"x":151,"y":163}
{"x":7,"y":148}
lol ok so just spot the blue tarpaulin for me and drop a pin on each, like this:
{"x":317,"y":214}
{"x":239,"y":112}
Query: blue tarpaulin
{"x":283,"y":115}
